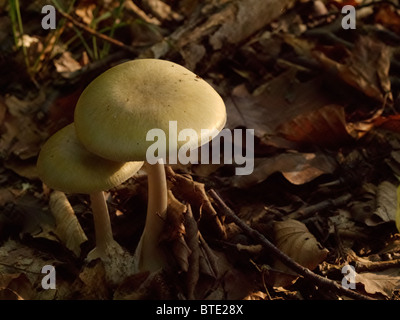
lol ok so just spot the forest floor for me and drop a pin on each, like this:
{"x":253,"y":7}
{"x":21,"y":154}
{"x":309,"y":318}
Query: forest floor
{"x":323,"y":101}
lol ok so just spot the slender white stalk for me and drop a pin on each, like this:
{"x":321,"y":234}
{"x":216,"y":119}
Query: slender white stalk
{"x":118,"y":263}
{"x":102,"y":223}
{"x":149,"y":254}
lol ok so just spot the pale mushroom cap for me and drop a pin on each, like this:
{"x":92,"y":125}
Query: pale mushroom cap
{"x":65,"y":165}
{"x":117,"y":109}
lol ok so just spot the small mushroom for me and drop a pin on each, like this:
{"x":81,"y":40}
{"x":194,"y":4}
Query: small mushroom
{"x":117,"y":110}
{"x":65,"y":165}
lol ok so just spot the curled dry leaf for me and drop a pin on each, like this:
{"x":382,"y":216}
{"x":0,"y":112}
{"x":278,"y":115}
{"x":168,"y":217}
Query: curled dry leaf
{"x":324,"y":127}
{"x":389,"y":17}
{"x":190,"y":250}
{"x":385,"y":205}
{"x":258,"y":295}
{"x":381,"y":282}
{"x":285,"y":93}
{"x":175,"y":231}
{"x":297,"y":168}
{"x":20,"y":271}
{"x":15,"y":286}
{"x":376,"y":205}
{"x":92,"y":282}
{"x":192,"y":238}
{"x":68,"y":228}
{"x":194,"y":193}
{"x":293,"y":238}
{"x":365,"y":68}
{"x":66,"y":64}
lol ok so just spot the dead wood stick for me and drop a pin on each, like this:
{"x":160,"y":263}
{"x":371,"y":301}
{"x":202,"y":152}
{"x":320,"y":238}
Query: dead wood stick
{"x":203,"y":42}
{"x":97,"y":34}
{"x":305,"y":272}
{"x":329,"y":203}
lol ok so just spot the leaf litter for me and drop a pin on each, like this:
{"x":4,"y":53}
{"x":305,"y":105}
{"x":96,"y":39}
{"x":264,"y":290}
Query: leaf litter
{"x":323,"y":104}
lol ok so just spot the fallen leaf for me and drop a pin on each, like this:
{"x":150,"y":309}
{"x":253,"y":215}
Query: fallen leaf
{"x":192,"y":239}
{"x":387,"y":16}
{"x":390,"y":122}
{"x":293,"y":238}
{"x":175,"y":231}
{"x":278,"y":101}
{"x":68,"y":228}
{"x":297,"y":168}
{"x":15,"y":286}
{"x":92,"y":282}
{"x":365,"y":68}
{"x":376,"y":204}
{"x":381,"y":282}
{"x":21,"y":137}
{"x":324,"y":127}
{"x":194,"y":193}
{"x":145,"y":286}
{"x":66,"y":65}
{"x":385,"y":205}
{"x":20,"y":269}
{"x":258,"y":295}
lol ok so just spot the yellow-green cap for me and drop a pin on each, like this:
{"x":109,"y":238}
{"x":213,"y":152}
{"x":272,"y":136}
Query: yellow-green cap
{"x":64,"y":164}
{"x":118,"y":108}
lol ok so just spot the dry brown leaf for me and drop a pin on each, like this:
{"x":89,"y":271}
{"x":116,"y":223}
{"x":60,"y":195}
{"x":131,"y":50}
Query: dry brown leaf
{"x":21,"y":137}
{"x":376,"y":205}
{"x":278,"y":101}
{"x":92,"y":282}
{"x":22,"y":266}
{"x":297,"y":168}
{"x":238,"y":285}
{"x":192,"y":239}
{"x":175,"y":231}
{"x":85,"y":11}
{"x":385,"y":204}
{"x":8,"y":294}
{"x":258,"y":295}
{"x":382,"y":282}
{"x":324,"y":127}
{"x":387,"y":16}
{"x":68,"y":228}
{"x":66,"y":64}
{"x":15,"y":286}
{"x":194,"y":193}
{"x":390,"y":122}
{"x":191,"y":252}
{"x":293,"y":238}
{"x":366,"y":68}
{"x":221,"y":24}
{"x":6,"y":196}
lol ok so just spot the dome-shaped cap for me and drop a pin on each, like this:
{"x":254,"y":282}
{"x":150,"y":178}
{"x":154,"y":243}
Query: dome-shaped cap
{"x":64,"y":164}
{"x":117,"y":109}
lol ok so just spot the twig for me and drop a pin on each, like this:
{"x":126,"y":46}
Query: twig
{"x":358,"y":7}
{"x":305,"y":212}
{"x":131,"y":6}
{"x":19,"y":268}
{"x":306,"y":273}
{"x":97,"y":34}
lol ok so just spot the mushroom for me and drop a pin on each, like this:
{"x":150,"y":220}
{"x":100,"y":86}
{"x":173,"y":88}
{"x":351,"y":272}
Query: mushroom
{"x":118,"y":109}
{"x":65,"y":165}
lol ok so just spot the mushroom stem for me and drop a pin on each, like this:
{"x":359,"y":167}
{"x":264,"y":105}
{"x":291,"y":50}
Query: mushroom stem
{"x":151,"y":256}
{"x":102,"y":223}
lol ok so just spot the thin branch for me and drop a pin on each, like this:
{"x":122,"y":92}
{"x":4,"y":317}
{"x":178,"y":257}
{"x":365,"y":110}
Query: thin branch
{"x":97,"y":34}
{"x":326,"y":204}
{"x":306,"y":273}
